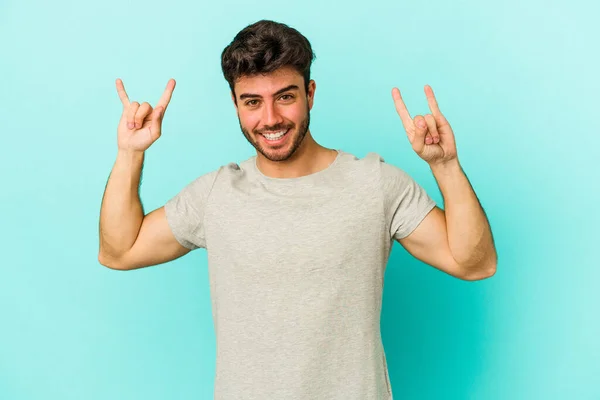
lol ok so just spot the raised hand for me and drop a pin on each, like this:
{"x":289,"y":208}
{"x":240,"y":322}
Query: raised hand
{"x":140,"y":125}
{"x":431,"y":136}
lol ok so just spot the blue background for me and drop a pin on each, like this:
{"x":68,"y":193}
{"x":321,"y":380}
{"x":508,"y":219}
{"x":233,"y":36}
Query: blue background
{"x":518,"y":82}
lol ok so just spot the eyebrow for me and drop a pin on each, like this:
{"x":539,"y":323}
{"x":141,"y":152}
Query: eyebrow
{"x":251,"y":95}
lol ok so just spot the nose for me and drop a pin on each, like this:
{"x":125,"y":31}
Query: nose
{"x":271,"y":116}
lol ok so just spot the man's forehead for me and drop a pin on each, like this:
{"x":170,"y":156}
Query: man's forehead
{"x":265,"y":84}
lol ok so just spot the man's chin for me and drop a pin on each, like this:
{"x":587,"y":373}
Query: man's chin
{"x":276,"y":155}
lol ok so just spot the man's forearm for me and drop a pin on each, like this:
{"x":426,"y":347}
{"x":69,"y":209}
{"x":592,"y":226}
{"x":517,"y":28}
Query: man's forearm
{"x":121,"y":213}
{"x":469,"y":234}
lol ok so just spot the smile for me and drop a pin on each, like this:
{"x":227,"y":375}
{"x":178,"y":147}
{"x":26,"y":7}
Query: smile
{"x":275,"y":136}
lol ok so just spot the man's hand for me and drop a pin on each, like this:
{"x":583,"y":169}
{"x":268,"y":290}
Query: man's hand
{"x":140,"y":126}
{"x":431,"y":136}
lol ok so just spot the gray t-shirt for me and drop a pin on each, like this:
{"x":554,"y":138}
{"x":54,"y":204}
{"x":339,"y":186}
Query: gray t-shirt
{"x":296,"y":270}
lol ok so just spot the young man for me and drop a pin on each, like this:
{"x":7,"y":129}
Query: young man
{"x":298,"y":236}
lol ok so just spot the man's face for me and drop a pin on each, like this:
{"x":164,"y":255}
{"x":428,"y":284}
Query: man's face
{"x":274,"y":103}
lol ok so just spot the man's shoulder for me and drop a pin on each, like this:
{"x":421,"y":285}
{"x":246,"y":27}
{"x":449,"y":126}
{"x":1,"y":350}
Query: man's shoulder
{"x":229,"y":168}
{"x":369,"y":162}
{"x":373,"y":166}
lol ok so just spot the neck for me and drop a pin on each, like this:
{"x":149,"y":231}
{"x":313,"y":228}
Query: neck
{"x":308,"y":159}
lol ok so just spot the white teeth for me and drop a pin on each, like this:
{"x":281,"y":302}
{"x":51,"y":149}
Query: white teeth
{"x":275,"y":136}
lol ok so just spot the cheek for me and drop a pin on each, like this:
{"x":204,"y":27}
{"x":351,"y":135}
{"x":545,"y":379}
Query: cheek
{"x":249,"y":120}
{"x":295,"y":114}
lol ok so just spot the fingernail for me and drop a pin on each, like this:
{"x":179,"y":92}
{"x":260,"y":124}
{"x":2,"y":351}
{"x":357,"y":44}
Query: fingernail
{"x":422,"y":123}
{"x":130,"y":125}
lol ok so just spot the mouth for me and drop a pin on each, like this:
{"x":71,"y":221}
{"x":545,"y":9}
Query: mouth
{"x":276,"y":137}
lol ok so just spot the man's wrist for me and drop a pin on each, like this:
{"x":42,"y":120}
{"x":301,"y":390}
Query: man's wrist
{"x":446,"y":168}
{"x":130,"y":155}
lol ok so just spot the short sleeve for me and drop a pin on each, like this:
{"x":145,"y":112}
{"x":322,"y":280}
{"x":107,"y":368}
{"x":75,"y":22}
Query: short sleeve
{"x":406,"y":203}
{"x":185,"y":211}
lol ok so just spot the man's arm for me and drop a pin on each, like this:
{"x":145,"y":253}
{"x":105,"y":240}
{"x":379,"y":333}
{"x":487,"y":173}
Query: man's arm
{"x":128,"y":239}
{"x":458,"y":240}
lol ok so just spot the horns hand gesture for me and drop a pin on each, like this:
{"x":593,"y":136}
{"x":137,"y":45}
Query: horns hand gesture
{"x":140,"y":125}
{"x":431,"y":136}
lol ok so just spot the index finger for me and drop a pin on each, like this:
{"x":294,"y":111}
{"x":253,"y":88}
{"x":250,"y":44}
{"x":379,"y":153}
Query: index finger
{"x":166,"y":97}
{"x":122,"y":93}
{"x":401,"y":108}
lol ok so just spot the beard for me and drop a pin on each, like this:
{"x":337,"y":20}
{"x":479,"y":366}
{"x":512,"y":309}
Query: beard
{"x":275,"y":155}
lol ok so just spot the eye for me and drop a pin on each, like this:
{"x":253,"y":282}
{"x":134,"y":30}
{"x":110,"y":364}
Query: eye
{"x":287,"y":97}
{"x":252,"y":102}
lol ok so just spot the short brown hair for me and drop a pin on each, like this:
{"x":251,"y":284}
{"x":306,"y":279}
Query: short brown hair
{"x":264,"y":47}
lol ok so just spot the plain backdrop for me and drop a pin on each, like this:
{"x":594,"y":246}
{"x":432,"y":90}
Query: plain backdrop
{"x":518,"y":82}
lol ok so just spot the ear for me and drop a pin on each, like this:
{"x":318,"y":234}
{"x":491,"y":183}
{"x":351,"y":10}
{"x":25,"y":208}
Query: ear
{"x":310,"y":94}
{"x":233,"y":99}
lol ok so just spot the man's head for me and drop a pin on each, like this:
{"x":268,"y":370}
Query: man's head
{"x":267,"y":66}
